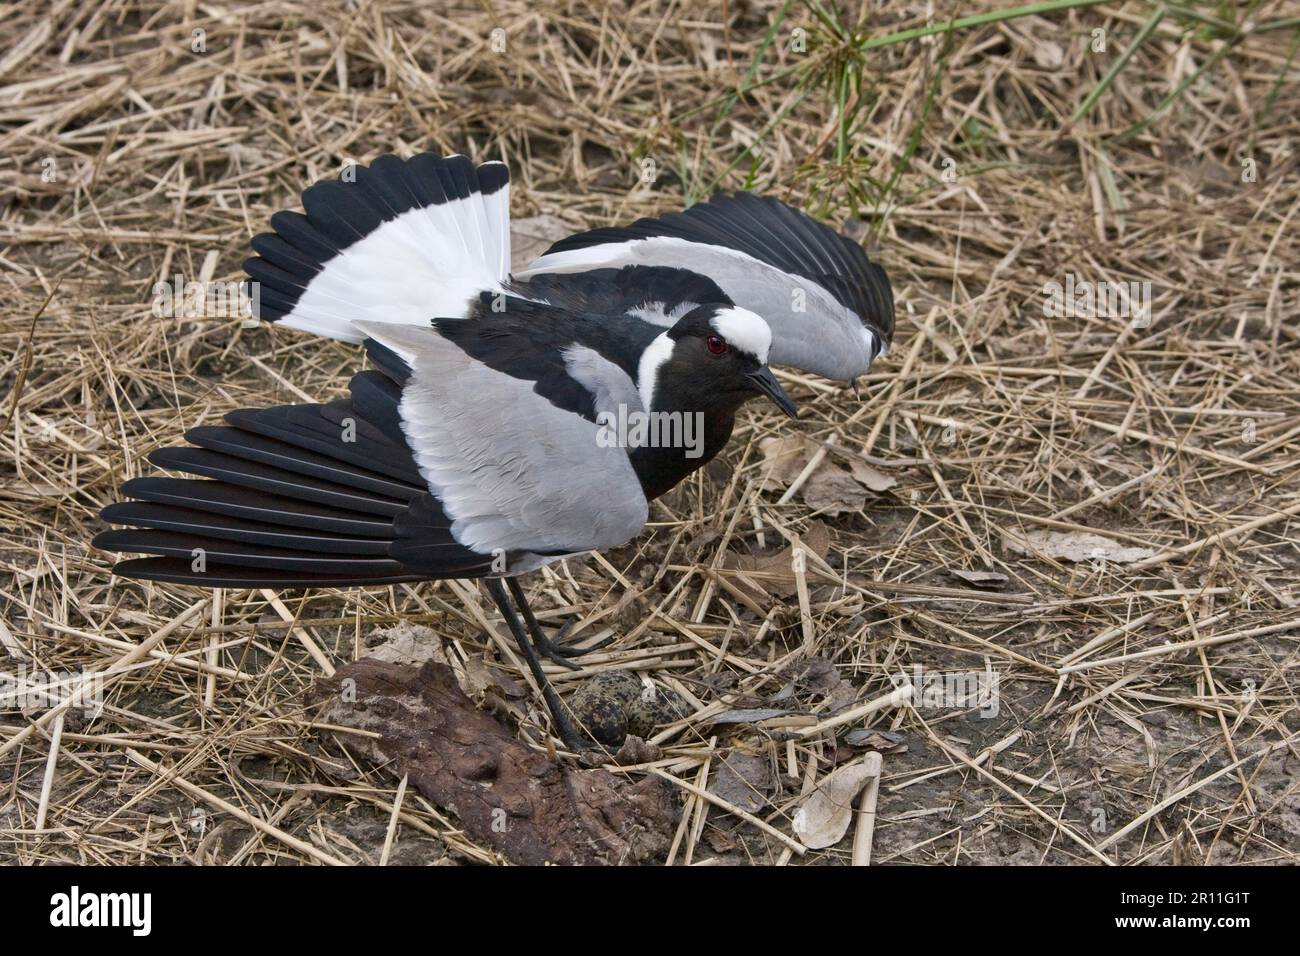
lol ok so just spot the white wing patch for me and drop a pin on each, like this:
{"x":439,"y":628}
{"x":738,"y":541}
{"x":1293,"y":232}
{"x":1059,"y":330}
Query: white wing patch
{"x":496,"y":209}
{"x":426,"y":263}
{"x":608,"y":384}
{"x":653,"y":312}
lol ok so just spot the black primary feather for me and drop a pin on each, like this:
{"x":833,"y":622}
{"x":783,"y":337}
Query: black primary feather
{"x":297,"y":495}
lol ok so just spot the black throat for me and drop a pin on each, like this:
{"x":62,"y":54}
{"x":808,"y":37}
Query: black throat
{"x":661,"y":468}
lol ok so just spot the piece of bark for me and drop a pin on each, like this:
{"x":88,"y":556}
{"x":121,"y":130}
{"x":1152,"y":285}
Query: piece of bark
{"x":507,"y":795}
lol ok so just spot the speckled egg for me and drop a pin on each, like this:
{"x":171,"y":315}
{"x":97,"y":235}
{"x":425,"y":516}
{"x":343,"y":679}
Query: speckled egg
{"x":613,"y":704}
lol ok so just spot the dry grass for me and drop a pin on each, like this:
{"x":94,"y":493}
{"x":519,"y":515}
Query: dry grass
{"x":1177,"y":741}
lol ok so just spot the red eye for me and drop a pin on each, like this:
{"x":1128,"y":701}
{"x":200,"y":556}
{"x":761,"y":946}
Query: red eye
{"x":716,"y":344}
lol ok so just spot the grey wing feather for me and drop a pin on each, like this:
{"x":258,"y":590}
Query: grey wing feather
{"x":810,"y":329}
{"x":513,"y":471}
{"x":830,"y":308}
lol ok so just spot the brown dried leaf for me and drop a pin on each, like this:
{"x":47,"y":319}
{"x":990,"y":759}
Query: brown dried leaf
{"x":405,"y":643}
{"x":1073,"y":546}
{"x":885,"y":741}
{"x":783,"y":459}
{"x":870,"y":476}
{"x":780,"y":565}
{"x":833,"y":491}
{"x":986,"y":580}
{"x":481,"y":679}
{"x":744,"y":780}
{"x":830,"y":488}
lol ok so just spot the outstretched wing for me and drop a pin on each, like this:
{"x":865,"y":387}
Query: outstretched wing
{"x":437,"y":465}
{"x":830,"y":308}
{"x":397,"y":241}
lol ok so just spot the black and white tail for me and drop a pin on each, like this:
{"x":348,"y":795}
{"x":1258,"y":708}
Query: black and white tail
{"x":400,"y":241}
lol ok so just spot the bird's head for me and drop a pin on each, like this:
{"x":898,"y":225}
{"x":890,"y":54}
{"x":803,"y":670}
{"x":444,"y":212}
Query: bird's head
{"x":713,"y":358}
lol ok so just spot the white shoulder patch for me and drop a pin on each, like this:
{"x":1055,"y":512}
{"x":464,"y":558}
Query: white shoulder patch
{"x":647,"y":370}
{"x":745,"y":330}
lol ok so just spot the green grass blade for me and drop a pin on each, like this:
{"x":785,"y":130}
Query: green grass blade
{"x":1264,"y":112}
{"x":1097,"y":91}
{"x":758,"y":140}
{"x":978,"y":19}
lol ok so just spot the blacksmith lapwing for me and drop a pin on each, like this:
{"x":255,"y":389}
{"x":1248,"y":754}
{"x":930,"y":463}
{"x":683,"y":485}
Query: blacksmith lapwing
{"x":490,"y":437}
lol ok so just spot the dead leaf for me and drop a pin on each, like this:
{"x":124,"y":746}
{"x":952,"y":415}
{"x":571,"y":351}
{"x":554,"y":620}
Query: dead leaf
{"x":481,"y":679}
{"x":743,"y":780}
{"x":783,"y":459}
{"x":833,"y":491}
{"x":823,"y":818}
{"x":1073,"y":546}
{"x":405,"y":643}
{"x":813,"y":674}
{"x":718,"y":841}
{"x":986,"y":580}
{"x":884,"y":741}
{"x":816,"y":679}
{"x":830,"y":488}
{"x":873,"y":478}
{"x":778,"y":569}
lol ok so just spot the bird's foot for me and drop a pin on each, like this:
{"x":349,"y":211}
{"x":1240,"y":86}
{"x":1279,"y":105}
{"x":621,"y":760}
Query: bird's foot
{"x":554,"y":649}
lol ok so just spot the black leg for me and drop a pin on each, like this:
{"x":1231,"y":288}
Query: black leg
{"x":545,"y":646}
{"x":568,"y":733}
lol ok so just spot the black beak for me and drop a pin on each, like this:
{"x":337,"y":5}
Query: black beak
{"x":764,"y":381}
